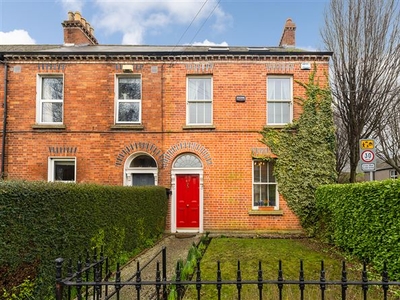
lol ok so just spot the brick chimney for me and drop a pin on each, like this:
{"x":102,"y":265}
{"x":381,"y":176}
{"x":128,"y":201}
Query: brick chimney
{"x":77,"y":31}
{"x":288,"y":38}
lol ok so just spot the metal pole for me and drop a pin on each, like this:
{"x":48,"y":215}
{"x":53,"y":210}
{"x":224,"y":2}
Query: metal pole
{"x":371,"y":176}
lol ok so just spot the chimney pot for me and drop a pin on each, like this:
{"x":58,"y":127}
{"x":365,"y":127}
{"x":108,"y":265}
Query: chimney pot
{"x":78,"y":16}
{"x":70,"y":16}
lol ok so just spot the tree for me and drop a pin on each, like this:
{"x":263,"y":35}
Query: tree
{"x":388,"y":135}
{"x":364,"y":36}
{"x":305,"y":151}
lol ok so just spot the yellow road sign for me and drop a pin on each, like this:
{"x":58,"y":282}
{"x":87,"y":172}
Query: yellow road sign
{"x":367,"y":144}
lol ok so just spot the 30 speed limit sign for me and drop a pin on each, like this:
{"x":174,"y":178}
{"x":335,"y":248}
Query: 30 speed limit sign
{"x":367,"y":156}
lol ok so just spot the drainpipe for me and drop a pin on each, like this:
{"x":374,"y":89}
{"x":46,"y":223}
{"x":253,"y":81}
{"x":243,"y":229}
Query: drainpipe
{"x":3,"y":142}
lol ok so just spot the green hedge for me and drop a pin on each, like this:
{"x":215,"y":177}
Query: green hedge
{"x":363,"y":219}
{"x":42,"y":221}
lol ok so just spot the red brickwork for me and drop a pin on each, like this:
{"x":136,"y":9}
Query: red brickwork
{"x":101,"y":148}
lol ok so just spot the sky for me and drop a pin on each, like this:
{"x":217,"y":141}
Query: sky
{"x":254,"y":23}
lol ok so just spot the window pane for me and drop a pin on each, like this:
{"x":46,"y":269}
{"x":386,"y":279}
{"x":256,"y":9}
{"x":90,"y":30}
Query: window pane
{"x":271,"y":177}
{"x":52,"y":112}
{"x":64,"y":171}
{"x":257,"y":195}
{"x":129,"y":88}
{"x":278,"y":112}
{"x":279,"y":89}
{"x":199,"y":88}
{"x":52,"y":88}
{"x":256,"y":172}
{"x":128,"y":112}
{"x":142,"y":179}
{"x":143,"y":161}
{"x":199,"y":113}
{"x":271,"y":194}
{"x":192,"y":113}
{"x":207,"y":113}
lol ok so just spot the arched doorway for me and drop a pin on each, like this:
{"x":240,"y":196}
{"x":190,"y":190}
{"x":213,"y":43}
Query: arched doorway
{"x":187,"y":194}
{"x":140,"y":169}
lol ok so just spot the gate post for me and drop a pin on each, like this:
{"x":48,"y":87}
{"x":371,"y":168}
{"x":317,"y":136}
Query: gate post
{"x":59,"y":285}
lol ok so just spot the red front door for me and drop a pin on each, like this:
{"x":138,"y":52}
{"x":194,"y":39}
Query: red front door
{"x":187,"y":201}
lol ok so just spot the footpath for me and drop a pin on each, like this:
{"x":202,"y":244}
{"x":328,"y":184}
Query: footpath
{"x":177,"y":247}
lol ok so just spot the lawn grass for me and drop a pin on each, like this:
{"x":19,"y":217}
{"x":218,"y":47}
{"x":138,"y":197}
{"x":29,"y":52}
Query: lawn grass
{"x":269,"y":251}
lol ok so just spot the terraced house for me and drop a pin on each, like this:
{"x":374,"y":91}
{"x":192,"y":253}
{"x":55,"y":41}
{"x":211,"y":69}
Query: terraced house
{"x":184,"y":117}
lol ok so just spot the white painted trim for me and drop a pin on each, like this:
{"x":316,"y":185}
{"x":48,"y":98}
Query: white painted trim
{"x":182,"y":171}
{"x":129,"y":171}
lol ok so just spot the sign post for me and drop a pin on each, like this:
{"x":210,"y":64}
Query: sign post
{"x":367,"y":156}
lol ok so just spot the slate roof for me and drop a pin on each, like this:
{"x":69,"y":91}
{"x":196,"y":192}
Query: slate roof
{"x":150,"y":49}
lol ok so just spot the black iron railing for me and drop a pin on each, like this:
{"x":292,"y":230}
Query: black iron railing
{"x":90,"y":281}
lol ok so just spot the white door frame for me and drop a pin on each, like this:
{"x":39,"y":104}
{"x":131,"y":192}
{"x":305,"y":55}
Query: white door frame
{"x":188,"y":171}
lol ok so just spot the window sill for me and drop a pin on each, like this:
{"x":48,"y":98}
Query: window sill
{"x":48,"y":126}
{"x":277,"y":126}
{"x":127,"y":127}
{"x":198,"y":127}
{"x":265,"y":212}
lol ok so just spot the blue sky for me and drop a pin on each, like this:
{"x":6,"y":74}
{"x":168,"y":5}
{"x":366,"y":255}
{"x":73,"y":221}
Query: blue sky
{"x":166,"y":22}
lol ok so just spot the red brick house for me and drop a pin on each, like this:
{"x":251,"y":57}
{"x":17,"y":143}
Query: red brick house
{"x":184,"y":117}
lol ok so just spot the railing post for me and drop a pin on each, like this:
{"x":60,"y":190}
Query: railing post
{"x":219,"y":279}
{"x":164,"y":272}
{"x":59,"y":285}
{"x":344,"y":280}
{"x":260,"y":279}
{"x":138,"y":281}
{"x":280,"y":279}
{"x":301,"y":279}
{"x":322,"y":281}
{"x":364,"y":280}
{"x":118,"y":280}
{"x":198,"y":279}
{"x":238,"y":280}
{"x":385,"y":280}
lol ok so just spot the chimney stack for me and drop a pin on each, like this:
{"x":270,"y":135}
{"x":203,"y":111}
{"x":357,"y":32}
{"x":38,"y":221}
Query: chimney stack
{"x":288,"y":38}
{"x":77,"y":30}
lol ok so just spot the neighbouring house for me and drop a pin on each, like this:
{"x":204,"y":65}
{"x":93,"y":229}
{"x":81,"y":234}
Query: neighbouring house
{"x":383,"y":171}
{"x":184,"y":117}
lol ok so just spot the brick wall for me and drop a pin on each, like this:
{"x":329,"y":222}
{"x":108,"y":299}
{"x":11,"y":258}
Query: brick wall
{"x":101,"y":149}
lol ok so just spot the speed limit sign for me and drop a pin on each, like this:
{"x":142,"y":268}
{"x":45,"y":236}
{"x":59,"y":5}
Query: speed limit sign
{"x":367,"y":156}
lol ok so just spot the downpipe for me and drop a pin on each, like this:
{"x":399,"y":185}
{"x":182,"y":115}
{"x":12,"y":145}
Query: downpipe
{"x":3,"y":142}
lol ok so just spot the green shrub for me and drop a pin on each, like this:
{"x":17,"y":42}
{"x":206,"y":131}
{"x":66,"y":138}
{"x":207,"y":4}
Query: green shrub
{"x":42,"y":221}
{"x":363,"y":219}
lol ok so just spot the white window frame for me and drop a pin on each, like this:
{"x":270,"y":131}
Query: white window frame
{"x":129,"y":171}
{"x":254,"y":165}
{"x":51,"y":168}
{"x":393,"y":174}
{"x":289,"y":100}
{"x":191,"y":101}
{"x":118,"y":100}
{"x":40,"y":101}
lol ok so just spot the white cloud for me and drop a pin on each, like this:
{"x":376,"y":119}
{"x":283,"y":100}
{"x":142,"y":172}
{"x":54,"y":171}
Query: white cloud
{"x":73,"y":5}
{"x":17,"y":36}
{"x":136,"y":18}
{"x":208,"y":43}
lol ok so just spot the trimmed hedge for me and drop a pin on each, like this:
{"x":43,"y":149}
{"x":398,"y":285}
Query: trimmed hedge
{"x":42,"y":221}
{"x":363,"y":219}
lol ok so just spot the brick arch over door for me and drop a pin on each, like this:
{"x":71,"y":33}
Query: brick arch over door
{"x":145,"y":147}
{"x":194,"y":147}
